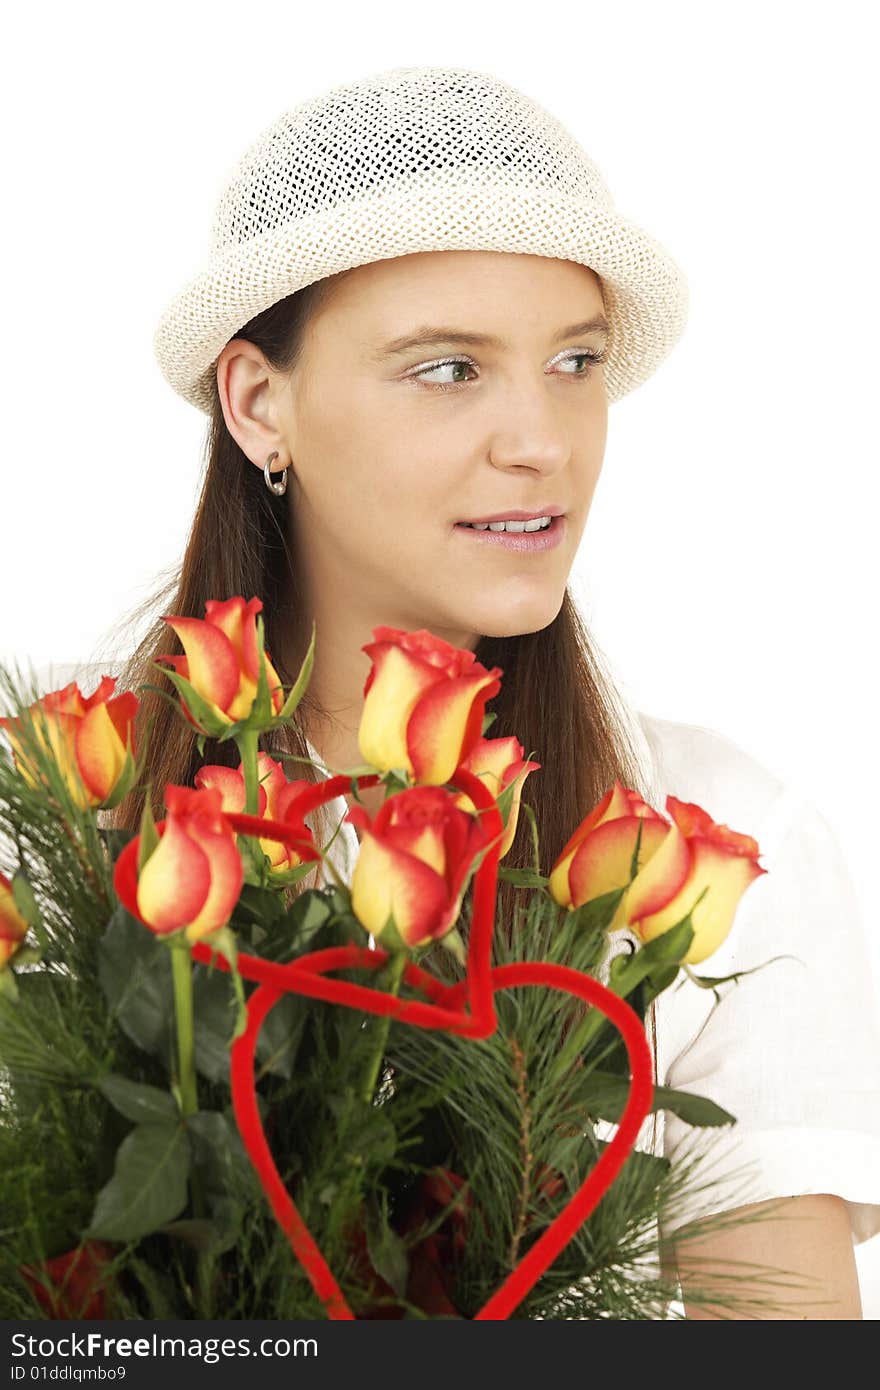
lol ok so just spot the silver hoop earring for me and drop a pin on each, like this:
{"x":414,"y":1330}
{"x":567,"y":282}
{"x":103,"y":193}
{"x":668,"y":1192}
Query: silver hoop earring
{"x":279,"y":489}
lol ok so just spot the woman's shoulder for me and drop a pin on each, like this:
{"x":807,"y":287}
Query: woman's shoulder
{"x":696,"y":763}
{"x":697,"y":753}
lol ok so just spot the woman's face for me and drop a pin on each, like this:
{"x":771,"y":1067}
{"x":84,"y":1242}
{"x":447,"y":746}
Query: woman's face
{"x":390,"y":449}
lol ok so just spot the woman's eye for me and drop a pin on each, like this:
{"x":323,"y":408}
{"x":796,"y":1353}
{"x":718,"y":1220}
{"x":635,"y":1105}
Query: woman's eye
{"x":459,"y":364}
{"x":591,"y":358}
{"x":453,"y":365}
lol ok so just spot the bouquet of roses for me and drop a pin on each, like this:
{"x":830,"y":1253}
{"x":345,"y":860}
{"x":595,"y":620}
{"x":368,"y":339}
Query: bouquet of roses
{"x":223,"y":1098}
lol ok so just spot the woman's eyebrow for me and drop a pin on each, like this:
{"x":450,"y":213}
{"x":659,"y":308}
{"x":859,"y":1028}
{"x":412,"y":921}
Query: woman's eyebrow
{"x":427,"y":336}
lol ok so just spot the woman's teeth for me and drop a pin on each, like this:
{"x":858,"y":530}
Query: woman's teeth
{"x":540,"y":523}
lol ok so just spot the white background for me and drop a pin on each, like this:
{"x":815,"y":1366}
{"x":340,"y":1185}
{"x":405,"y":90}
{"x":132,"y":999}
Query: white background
{"x":728,"y":565}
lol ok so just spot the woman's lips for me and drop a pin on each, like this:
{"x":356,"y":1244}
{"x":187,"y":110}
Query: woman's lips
{"x":522,"y":541}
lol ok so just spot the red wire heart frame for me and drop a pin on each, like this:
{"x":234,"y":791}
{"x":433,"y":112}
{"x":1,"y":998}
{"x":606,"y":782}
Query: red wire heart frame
{"x":307,"y":975}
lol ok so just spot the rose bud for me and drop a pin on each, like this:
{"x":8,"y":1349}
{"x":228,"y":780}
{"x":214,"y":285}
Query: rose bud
{"x":500,"y":764}
{"x":424,"y":704}
{"x":218,"y":676}
{"x":13,"y":927}
{"x":415,"y":861}
{"x":598,"y":857}
{"x":718,"y":859}
{"x":90,"y":738}
{"x":192,"y":879}
{"x":274,"y":795}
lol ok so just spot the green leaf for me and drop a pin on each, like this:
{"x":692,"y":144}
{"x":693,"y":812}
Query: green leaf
{"x":598,"y":914}
{"x":204,"y":713}
{"x":214,"y":1009}
{"x":261,"y":713}
{"x":527,"y":810}
{"x":257,"y":904}
{"x":713,"y":981}
{"x":284,"y":878}
{"x":292,"y":932}
{"x":694,"y":1110}
{"x":522,"y":878}
{"x":281,"y":1035}
{"x":651,"y":960}
{"x":642,"y":1164}
{"x":453,"y":943}
{"x":143,"y":1104}
{"x":605,"y":1096}
{"x":225,"y":1171}
{"x":670,"y":946}
{"x":298,"y":689}
{"x":8,"y":986}
{"x":218,"y":1151}
{"x":386,"y":1249}
{"x":134,"y":970}
{"x":634,"y":862}
{"x":504,"y":801}
{"x":149,"y":1183}
{"x":197,"y":1232}
{"x":658,"y":980}
{"x":25,"y":901}
{"x":149,"y":836}
{"x":253,"y":860}
{"x":124,"y":782}
{"x":214,"y":1013}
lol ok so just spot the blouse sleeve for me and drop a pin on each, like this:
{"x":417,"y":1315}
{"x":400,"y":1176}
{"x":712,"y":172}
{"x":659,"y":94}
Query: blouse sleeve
{"x":793,"y":1051}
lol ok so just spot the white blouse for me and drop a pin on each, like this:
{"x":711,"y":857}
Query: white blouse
{"x":792,"y":1051}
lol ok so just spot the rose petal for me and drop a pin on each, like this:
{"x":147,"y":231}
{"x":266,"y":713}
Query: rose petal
{"x":387,"y":881}
{"x":100,"y":753}
{"x":214,"y":670}
{"x":238,"y":620}
{"x":444,"y":725}
{"x":175,"y":881}
{"x":395,"y":682}
{"x":727,"y":876}
{"x":227,"y":877}
{"x":603,"y":861}
{"x":663,"y":870}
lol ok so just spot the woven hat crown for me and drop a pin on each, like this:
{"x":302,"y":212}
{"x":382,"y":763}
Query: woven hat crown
{"x":441,"y":126}
{"x":415,"y":159}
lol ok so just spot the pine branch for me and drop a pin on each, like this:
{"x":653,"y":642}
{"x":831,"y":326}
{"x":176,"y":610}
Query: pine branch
{"x":525,"y":1153}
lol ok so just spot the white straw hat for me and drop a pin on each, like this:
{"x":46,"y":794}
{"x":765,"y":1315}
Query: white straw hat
{"x":408,"y":160}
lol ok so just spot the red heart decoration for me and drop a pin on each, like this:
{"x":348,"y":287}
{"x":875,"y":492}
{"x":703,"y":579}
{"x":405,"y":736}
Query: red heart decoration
{"x":307,"y":976}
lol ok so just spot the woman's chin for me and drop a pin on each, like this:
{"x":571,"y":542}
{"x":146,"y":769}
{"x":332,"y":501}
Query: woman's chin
{"x":514,"y":620}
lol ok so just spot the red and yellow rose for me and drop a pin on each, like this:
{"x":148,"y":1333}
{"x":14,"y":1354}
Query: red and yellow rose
{"x":90,"y":738}
{"x":275,"y":796}
{"x":500,"y":764}
{"x":192,"y":879}
{"x":218,"y":675}
{"x":424,"y":704}
{"x":416,"y":858}
{"x":678,"y":860}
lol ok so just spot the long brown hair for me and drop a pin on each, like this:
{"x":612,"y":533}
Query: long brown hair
{"x":556,"y":695}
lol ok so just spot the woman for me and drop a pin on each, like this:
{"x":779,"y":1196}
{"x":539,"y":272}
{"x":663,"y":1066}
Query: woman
{"x":419,"y":306}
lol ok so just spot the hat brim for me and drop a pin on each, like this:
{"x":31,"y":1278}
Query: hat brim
{"x":645,"y":292}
